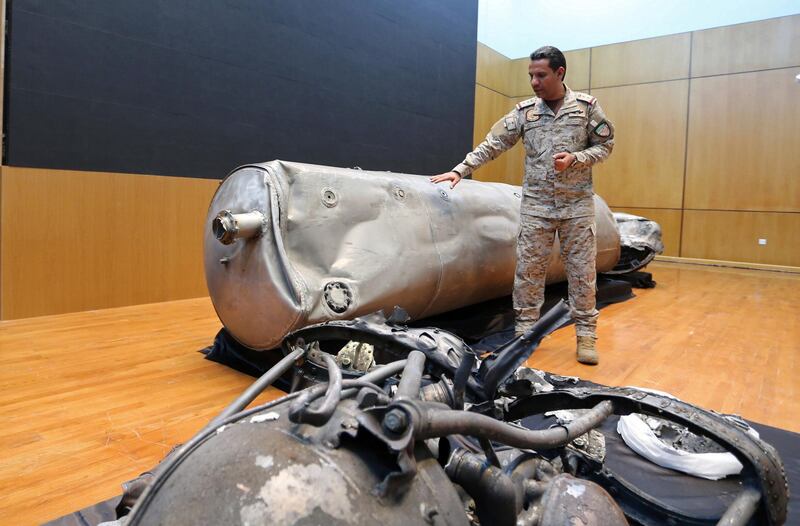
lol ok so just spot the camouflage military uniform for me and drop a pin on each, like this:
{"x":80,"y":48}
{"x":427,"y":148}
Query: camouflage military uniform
{"x":553,"y":202}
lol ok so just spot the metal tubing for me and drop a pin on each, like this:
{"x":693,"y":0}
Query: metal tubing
{"x":497,"y":498}
{"x":384,"y":371}
{"x":306,"y":397}
{"x":436,"y":423}
{"x":742,"y":509}
{"x":228,"y":227}
{"x":257,"y":387}
{"x":411,"y":380}
{"x":301,"y":410}
{"x":378,"y":375}
{"x":460,"y":381}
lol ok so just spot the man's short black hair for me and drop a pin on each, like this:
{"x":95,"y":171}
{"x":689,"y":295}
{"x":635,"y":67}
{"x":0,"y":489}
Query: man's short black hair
{"x":555,"y":58}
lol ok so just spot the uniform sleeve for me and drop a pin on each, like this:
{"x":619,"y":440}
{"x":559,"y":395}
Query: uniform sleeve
{"x":504,"y":134}
{"x":601,"y":138}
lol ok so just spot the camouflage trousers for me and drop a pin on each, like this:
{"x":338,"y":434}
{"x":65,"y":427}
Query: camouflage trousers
{"x":578,"y":250}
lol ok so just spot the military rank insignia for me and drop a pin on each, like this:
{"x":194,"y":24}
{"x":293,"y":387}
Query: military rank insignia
{"x":603,"y":129}
{"x":531,"y":116}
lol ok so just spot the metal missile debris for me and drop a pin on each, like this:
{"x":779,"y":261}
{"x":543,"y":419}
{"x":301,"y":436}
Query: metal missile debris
{"x":288,"y":245}
{"x":640,"y":242}
{"x":451,"y":439}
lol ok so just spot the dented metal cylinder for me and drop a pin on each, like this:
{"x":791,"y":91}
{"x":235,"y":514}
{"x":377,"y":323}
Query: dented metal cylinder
{"x":337,"y":243}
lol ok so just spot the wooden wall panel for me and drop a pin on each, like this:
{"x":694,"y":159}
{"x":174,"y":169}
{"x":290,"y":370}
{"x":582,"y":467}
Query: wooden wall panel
{"x":75,"y":241}
{"x":645,"y":169}
{"x":577,"y":73}
{"x":744,"y":132}
{"x":733,"y":236}
{"x":668,"y":219}
{"x":766,"y":44}
{"x":649,"y":60}
{"x":489,"y":107}
{"x":492,"y":70}
{"x":578,"y":66}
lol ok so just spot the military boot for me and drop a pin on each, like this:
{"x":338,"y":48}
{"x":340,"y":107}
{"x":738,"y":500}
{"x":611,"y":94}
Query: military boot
{"x":587,"y":352}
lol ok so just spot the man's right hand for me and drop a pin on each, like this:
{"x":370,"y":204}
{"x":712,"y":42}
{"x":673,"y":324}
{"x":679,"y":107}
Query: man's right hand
{"x":453,"y":177}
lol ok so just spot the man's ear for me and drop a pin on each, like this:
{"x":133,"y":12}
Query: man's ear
{"x":560,"y":72}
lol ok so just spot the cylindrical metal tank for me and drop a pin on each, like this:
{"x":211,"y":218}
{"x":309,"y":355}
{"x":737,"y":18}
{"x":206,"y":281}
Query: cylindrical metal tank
{"x":290,"y":244}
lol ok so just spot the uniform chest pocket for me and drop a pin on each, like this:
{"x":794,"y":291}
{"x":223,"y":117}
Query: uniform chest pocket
{"x":574,"y":120}
{"x":573,"y":134}
{"x":537,"y":139}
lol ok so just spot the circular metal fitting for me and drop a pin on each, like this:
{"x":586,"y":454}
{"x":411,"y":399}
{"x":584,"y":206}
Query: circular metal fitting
{"x":227,"y":227}
{"x":329,"y":197}
{"x":444,"y":195}
{"x":224,"y":227}
{"x":398,"y":193}
{"x":338,"y":296}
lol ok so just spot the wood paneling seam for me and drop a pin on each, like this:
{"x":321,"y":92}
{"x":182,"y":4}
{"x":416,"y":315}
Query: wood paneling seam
{"x":686,"y":143}
{"x":492,"y":89}
{"x":743,"y":72}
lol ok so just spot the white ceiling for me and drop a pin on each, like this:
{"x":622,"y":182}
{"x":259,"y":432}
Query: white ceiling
{"x":517,"y":27}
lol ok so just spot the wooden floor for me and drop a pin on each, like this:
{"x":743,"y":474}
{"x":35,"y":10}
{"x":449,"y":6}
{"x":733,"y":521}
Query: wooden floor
{"x":92,"y":399}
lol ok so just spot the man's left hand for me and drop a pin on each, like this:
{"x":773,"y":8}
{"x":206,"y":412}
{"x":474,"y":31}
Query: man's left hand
{"x":563,"y":160}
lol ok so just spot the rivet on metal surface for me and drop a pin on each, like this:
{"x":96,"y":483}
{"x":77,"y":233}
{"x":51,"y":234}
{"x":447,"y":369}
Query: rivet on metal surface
{"x":444,"y":195}
{"x":329,"y":197}
{"x":225,"y":260}
{"x":398,"y":193}
{"x":338,"y":296}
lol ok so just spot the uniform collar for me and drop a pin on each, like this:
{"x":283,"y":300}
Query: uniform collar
{"x":570,"y":104}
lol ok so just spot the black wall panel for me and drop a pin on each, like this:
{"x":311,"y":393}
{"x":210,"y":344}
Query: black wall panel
{"x":196,"y":88}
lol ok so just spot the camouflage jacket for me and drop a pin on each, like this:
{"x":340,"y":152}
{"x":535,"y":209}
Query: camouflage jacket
{"x":580,"y":127}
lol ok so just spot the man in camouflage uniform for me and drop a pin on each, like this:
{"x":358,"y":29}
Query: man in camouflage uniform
{"x":564,"y":134}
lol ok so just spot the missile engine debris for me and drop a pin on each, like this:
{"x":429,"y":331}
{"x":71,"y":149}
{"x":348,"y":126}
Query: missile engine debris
{"x":453,"y":440}
{"x":288,"y":245}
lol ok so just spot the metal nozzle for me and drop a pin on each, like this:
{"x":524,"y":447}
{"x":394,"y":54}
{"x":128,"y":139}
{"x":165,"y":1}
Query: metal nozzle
{"x":229,"y":227}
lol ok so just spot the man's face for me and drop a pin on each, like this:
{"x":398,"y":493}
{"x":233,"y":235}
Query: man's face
{"x":545,"y":82}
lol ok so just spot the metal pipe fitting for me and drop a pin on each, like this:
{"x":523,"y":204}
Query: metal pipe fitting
{"x":411,"y":380}
{"x":228,"y":227}
{"x":436,"y":423}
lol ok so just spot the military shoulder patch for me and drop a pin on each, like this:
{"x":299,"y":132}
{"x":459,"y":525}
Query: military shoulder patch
{"x":527,"y":102}
{"x":531,"y":115}
{"x":585,"y":98}
{"x":602,"y":129}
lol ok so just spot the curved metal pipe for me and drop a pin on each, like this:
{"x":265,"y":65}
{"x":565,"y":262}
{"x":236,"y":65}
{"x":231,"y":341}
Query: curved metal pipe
{"x":742,"y":509}
{"x":497,"y":498}
{"x":411,"y":381}
{"x":436,"y":423}
{"x":384,"y":371}
{"x":257,"y":387}
{"x":301,"y":411}
{"x":378,"y":374}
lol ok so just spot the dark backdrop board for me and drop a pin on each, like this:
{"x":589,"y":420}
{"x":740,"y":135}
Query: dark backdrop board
{"x":197,"y":88}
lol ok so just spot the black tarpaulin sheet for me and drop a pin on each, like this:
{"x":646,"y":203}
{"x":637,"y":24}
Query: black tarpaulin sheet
{"x":484,"y":326}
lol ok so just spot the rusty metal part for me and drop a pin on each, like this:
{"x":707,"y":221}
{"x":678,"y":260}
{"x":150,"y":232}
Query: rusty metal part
{"x":763,"y":470}
{"x":433,"y":422}
{"x":570,"y":500}
{"x":367,"y":456}
{"x":271,"y":471}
